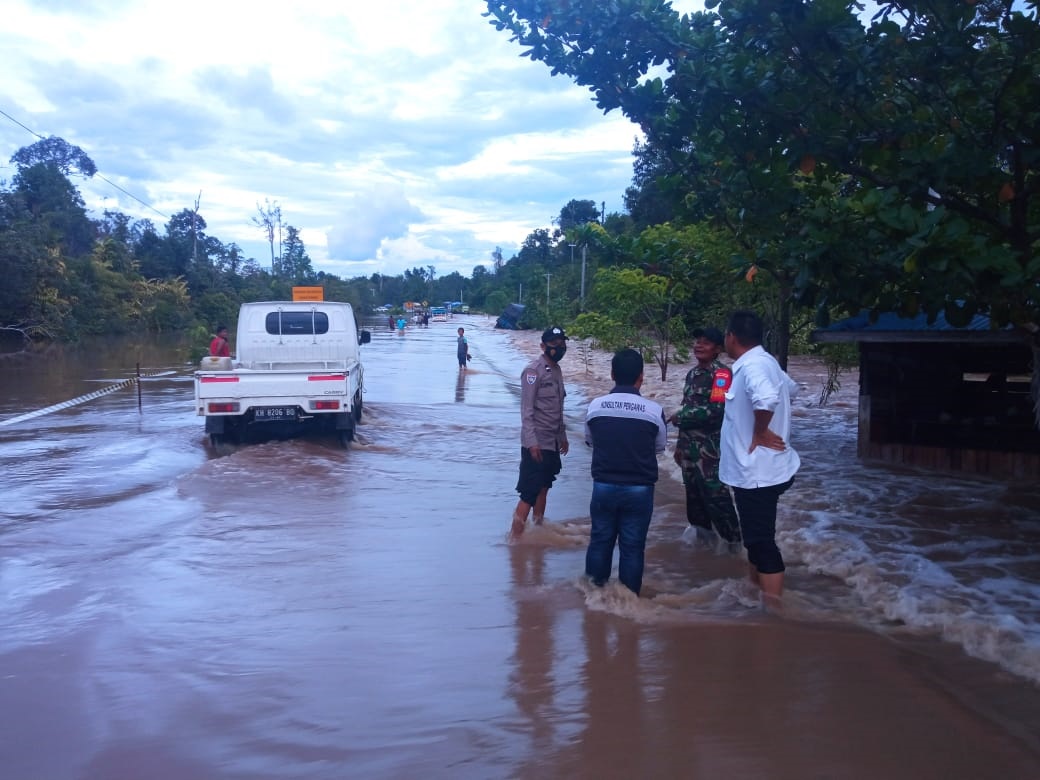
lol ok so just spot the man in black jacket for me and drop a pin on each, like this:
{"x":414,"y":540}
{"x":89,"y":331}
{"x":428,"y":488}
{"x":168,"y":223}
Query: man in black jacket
{"x":625,"y":431}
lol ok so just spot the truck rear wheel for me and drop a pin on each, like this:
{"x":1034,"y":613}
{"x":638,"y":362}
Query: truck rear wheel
{"x":344,"y":426}
{"x":223,"y":430}
{"x":222,"y":440}
{"x":357,"y":407}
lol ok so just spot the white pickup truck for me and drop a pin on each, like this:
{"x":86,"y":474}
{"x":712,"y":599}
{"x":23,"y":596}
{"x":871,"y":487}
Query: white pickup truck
{"x":297,"y":366}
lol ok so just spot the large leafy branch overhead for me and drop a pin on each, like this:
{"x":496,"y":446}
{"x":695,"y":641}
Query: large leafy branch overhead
{"x":889,"y":161}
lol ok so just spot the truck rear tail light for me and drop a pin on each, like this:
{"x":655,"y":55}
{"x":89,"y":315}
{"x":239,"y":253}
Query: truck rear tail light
{"x":223,"y":407}
{"x":327,"y":378}
{"x":324,"y":405}
{"x":208,"y":379}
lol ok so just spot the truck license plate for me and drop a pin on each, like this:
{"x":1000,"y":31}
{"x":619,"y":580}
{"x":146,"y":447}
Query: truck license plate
{"x":264,"y":413}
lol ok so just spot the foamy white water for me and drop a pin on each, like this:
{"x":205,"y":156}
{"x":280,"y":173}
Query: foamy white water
{"x":922,"y":552}
{"x":926,"y":553}
{"x":887,"y":548}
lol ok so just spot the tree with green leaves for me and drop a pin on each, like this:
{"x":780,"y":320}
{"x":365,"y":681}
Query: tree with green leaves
{"x":576,"y":213}
{"x":103,"y":292}
{"x":186,"y":250}
{"x":45,"y":238}
{"x":657,"y":193}
{"x":58,"y":153}
{"x":295,"y":263}
{"x":890,"y":163}
{"x":165,"y":305}
{"x":31,"y":272}
{"x":47,"y":197}
{"x":639,"y":310}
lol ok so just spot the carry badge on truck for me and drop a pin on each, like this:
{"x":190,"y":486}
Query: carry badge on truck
{"x":720,"y":382}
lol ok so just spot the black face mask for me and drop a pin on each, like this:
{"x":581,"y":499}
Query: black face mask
{"x":555,"y":353}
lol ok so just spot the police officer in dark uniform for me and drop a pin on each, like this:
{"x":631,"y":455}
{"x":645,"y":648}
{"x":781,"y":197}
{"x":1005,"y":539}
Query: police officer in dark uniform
{"x":543,"y":438}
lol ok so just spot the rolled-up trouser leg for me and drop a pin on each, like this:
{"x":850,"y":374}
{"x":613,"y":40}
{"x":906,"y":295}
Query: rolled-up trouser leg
{"x":756,"y":508}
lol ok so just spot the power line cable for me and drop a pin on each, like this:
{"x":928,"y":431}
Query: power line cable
{"x":32,"y":132}
{"x":131,"y":195}
{"x":107,"y":181}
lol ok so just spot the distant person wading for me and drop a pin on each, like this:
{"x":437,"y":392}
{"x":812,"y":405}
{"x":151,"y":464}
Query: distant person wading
{"x":462,"y":350}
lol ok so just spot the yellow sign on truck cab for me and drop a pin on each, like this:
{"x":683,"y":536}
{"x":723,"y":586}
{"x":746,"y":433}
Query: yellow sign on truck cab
{"x":308,"y":293}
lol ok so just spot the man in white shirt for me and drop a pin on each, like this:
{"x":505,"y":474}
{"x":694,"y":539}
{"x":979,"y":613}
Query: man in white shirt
{"x":756,"y":460}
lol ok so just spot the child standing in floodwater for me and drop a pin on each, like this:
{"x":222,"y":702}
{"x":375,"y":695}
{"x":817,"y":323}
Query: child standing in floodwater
{"x":462,"y":350}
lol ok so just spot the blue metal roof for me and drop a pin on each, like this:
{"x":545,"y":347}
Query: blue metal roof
{"x":890,"y":321}
{"x":891,"y":327}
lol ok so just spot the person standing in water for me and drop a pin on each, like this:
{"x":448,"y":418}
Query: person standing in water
{"x":543,"y":437}
{"x":462,"y":350}
{"x":709,"y":506}
{"x":756,"y":459}
{"x":625,"y":431}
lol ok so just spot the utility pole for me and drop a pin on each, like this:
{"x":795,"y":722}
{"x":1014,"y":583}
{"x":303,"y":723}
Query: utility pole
{"x":547,"y":277}
{"x":572,"y":252}
{"x":195,"y":232}
{"x":581,"y":303}
{"x":521,"y":300}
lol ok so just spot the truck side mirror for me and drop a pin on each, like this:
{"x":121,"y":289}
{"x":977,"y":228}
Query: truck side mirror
{"x":364,"y":337}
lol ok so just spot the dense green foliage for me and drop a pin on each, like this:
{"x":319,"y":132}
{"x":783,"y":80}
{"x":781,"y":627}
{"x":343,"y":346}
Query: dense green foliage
{"x":890,"y":163}
{"x":69,"y":275}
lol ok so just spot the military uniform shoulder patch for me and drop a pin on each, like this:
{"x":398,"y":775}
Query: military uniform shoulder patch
{"x":720,"y":382}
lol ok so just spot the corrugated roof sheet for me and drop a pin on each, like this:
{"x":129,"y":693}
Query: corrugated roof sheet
{"x":891,"y":327}
{"x":890,"y":321}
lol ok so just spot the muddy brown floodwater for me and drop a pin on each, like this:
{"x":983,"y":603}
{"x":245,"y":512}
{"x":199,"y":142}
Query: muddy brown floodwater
{"x":290,"y":609}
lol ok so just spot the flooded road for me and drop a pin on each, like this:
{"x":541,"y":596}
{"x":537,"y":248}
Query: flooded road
{"x":290,"y":609}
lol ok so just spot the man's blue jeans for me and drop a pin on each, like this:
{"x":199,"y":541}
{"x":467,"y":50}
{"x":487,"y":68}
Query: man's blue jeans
{"x":620,"y":514}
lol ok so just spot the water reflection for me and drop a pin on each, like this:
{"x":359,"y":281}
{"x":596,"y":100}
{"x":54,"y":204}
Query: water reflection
{"x":460,"y":387}
{"x":615,"y":703}
{"x":531,"y":679}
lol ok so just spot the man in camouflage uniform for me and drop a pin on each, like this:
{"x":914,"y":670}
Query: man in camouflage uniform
{"x":709,"y":507}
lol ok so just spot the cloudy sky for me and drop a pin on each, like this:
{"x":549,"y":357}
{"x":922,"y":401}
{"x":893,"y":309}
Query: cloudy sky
{"x":392,"y":133}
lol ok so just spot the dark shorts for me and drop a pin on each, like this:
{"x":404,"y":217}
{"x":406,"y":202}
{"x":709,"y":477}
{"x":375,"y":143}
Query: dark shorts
{"x":535,"y":476}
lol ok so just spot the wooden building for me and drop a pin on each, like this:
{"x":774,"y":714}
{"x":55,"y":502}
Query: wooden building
{"x":944,"y":398}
